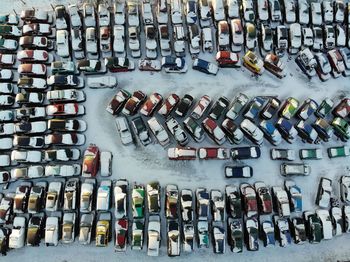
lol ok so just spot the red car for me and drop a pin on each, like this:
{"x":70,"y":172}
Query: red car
{"x":32,"y":69}
{"x":151,"y":104}
{"x":91,"y":161}
{"x":249,"y":199}
{"x":33,"y":56}
{"x":121,"y":234}
{"x":214,"y":131}
{"x":118,"y":101}
{"x":213,"y":153}
{"x":134,"y":103}
{"x":343,"y":108}
{"x":228,"y":59}
{"x":68,"y":109}
{"x":169,"y":105}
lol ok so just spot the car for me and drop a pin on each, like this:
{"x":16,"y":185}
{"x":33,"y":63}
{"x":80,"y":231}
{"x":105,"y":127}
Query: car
{"x":182,"y":153}
{"x":337,"y":221}
{"x":121,"y":234}
{"x":339,"y":10}
{"x":184,"y":105}
{"x":105,"y":40}
{"x":24,"y":142}
{"x":36,"y":202}
{"x":119,"y":40}
{"x":120,"y":192}
{"x":202,"y":203}
{"x":152,"y":102}
{"x":91,"y":161}
{"x":70,"y":195}
{"x":271,"y":132}
{"x":214,"y":131}
{"x":179,"y":36}
{"x":306,"y":61}
{"x":307,"y":109}
{"x":61,"y":17}
{"x":171,"y":201}
{"x":223,"y":36}
{"x":286,"y":129}
{"x":337,"y":62}
{"x":186,"y":204}
{"x":346,"y":218}
{"x":103,"y":229}
{"x":66,"y":125}
{"x":307,"y":37}
{"x":164,"y":39}
{"x":251,"y":37}
{"x":18,"y":233}
{"x":21,"y":198}
{"x":134,"y":103}
{"x":65,"y":139}
{"x":8,"y":45}
{"x":323,"y":128}
{"x":68,"y":227}
{"x":32,"y":69}
{"x":237,"y":105}
{"x":213,"y":153}
{"x":32,"y":15}
{"x":326,"y":223}
{"x":87,"y":195}
{"x":7,"y":60}
{"x":282,"y":231}
{"x":65,"y":81}
{"x":141,"y":131}
{"x":174,"y":64}
{"x":194,"y":129}
{"x":232,"y":131}
{"x":158,"y":131}
{"x":25,"y":127}
{"x":264,"y":198}
{"x":62,"y":170}
{"x":298,"y":230}
{"x":30,"y":113}
{"x":74,"y":16}
{"x":67,"y":67}
{"x":173,"y":238}
{"x":294,"y":195}
{"x":134,"y":41}
{"x":266,"y":39}
{"x":28,"y":83}
{"x":103,"y":198}
{"x":118,"y":101}
{"x":10,"y":31}
{"x":201,"y":106}
{"x":151,"y":43}
{"x":252,"y":131}
{"x":344,"y":188}
{"x":35,"y":230}
{"x":233,"y":201}
{"x":341,"y":151}
{"x":149,"y":65}
{"x":7,"y":129}
{"x":251,"y":234}
{"x":312,"y":153}
{"x":275,"y":11}
{"x":253,"y":63}
{"x":194,"y":39}
{"x":289,"y":108}
{"x":342,"y":109}
{"x":177,"y":131}
{"x":89,"y":15}
{"x":306,"y":132}
{"x":103,"y":15}
{"x":67,"y":95}
{"x":295,"y":169}
{"x":62,"y":154}
{"x":62,"y":43}
{"x":32,"y":42}
{"x":240,"y":153}
{"x":280,"y":201}
{"x":85,"y":227}
{"x":137,"y":235}
{"x":249,"y":200}
{"x":119,"y":13}
{"x":30,"y":98}
{"x":153,"y":197}
{"x":235,"y":235}
{"x":282,"y":154}
{"x":267,"y":230}
{"x":77,"y":43}
{"x":329,"y":37}
{"x":36,"y":29}
{"x":102,"y":82}
{"x":238,"y":171}
{"x":313,"y":227}
{"x":345,"y":53}
{"x":10,"y":19}
{"x":323,"y":67}
{"x":54,"y":196}
{"x":218,"y":108}
{"x":90,"y":66}
{"x":154,"y":235}
{"x":204,"y":66}
{"x":270,"y":108}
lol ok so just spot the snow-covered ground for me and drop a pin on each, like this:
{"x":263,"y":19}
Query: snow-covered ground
{"x":144,"y":164}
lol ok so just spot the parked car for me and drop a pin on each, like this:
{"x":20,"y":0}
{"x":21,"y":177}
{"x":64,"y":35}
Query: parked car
{"x":295,"y":169}
{"x":214,"y":131}
{"x":194,"y":129}
{"x":238,"y":171}
{"x":18,"y":233}
{"x":124,"y":131}
{"x":134,"y":103}
{"x":252,"y":131}
{"x":205,"y":67}
{"x":117,"y":103}
{"x":152,"y":102}
{"x":141,"y":131}
{"x":184,"y":105}
{"x":283,"y":154}
{"x":177,"y":131}
{"x":158,"y":131}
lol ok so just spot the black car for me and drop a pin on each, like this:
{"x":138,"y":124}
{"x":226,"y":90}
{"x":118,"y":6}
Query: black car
{"x":247,"y":152}
{"x":141,"y":130}
{"x":194,"y":129}
{"x":219,"y":237}
{"x":298,"y":231}
{"x":4,"y":240}
{"x":65,"y":80}
{"x":219,"y":107}
{"x":306,"y":132}
{"x":286,"y":129}
{"x":232,"y":131}
{"x":233,"y":201}
{"x":271,"y":108}
{"x":235,"y":235}
{"x":35,"y":229}
{"x":184,"y":105}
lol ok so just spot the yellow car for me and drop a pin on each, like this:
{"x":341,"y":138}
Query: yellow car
{"x":103,"y":232}
{"x":253,"y":63}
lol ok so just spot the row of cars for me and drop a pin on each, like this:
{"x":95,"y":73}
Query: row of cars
{"x":212,"y":208}
{"x":261,"y":117}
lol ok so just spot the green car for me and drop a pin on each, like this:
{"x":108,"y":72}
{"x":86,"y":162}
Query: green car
{"x":59,"y":67}
{"x":10,"y":19}
{"x":138,"y":201}
{"x":137,"y":234}
{"x":325,"y":108}
{"x":341,"y":151}
{"x":341,"y":128}
{"x":10,"y":30}
{"x":310,"y":154}
{"x":289,"y":108}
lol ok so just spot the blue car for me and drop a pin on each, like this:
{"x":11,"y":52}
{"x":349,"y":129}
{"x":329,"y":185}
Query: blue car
{"x":307,"y":109}
{"x":294,"y":195}
{"x":306,"y":132}
{"x":286,"y":129}
{"x":271,"y":133}
{"x":205,"y":66}
{"x":268,"y":233}
{"x":254,"y":108}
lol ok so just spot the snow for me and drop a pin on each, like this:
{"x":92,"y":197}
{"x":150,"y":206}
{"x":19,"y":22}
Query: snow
{"x":146,"y":164}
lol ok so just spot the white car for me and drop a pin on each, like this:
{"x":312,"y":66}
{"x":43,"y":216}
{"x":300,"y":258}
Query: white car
{"x":177,"y":131}
{"x":124,"y":130}
{"x":327,"y":8}
{"x":252,"y":131}
{"x":7,"y":74}
{"x":65,"y":109}
{"x":27,"y":69}
{"x":237,"y":36}
{"x":339,"y":10}
{"x":75,"y":19}
{"x":104,"y":195}
{"x":27,"y":172}
{"x":282,"y":201}
{"x":25,"y":82}
{"x":36,"y":29}
{"x":164,"y":40}
{"x":223,"y":40}
{"x":207,"y":40}
{"x":8,"y":44}
{"x":218,"y":10}
{"x":119,"y":13}
{"x":147,"y":14}
{"x":25,"y":141}
{"x":89,"y":15}
{"x":308,"y":37}
{"x":103,"y":15}
{"x":87,"y":195}
{"x":25,"y":127}
{"x":295,"y":169}
{"x":106,"y":163}
{"x":326,"y":221}
{"x":159,"y":132}
{"x":18,"y":233}
{"x":162,"y":12}
{"x":248,"y":11}
{"x":303,"y":11}
{"x":62,"y":154}
{"x":65,"y":95}
{"x":251,"y":40}
{"x":179,"y":40}
{"x":176,"y":12}
{"x":119,"y":40}
{"x":134,"y":42}
{"x":266,"y":38}
{"x":91,"y":42}
{"x":68,"y":227}
{"x":263,"y":10}
{"x":294,"y":38}
{"x":201,"y":107}
{"x":151,"y":41}
{"x":77,"y":42}
{"x":340,"y":36}
{"x":7,"y":129}
{"x":275,"y":11}
{"x":205,"y":13}
{"x":6,"y":143}
{"x":52,"y":228}
{"x":7,"y":88}
{"x":102,"y":82}
{"x":149,"y":65}
{"x":133,"y":14}
{"x":26,"y":156}
{"x":5,"y":160}
{"x":65,"y":139}
{"x":34,"y":56}
{"x":233,"y":8}
{"x":154,"y":235}
{"x":289,"y":9}
{"x":194,"y":39}
{"x":53,"y":196}
{"x":318,"y":38}
{"x":316,"y":14}
{"x":63,"y":170}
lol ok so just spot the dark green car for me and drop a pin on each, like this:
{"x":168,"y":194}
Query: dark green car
{"x":341,"y":128}
{"x":314,"y":228}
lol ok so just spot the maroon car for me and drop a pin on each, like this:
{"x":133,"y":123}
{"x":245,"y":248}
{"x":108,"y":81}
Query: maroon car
{"x":91,"y":161}
{"x":249,"y":199}
{"x":118,"y":101}
{"x":169,"y":105}
{"x":343,"y":108}
{"x":121,"y":234}
{"x":134,"y":103}
{"x":151,"y":104}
